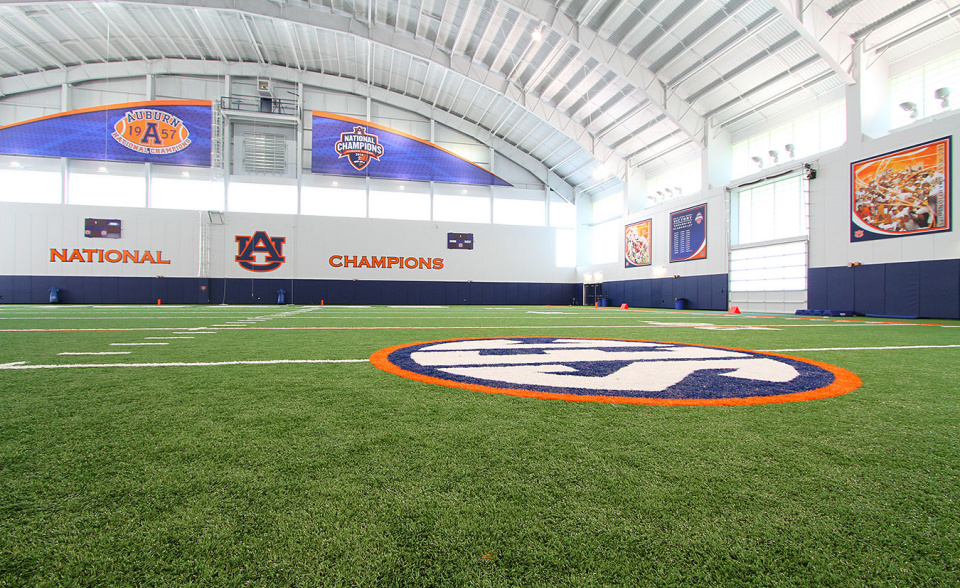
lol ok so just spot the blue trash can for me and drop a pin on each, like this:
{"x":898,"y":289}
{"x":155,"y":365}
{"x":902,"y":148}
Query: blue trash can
{"x":281,"y":296}
{"x":680,"y":303}
{"x":54,"y":295}
{"x":603,"y":301}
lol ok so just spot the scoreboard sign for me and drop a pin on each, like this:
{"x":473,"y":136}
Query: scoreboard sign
{"x":459,"y":240}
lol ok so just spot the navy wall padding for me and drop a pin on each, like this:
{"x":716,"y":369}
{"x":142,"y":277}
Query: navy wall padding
{"x":927,"y":289}
{"x":939,"y":291}
{"x":702,"y":292}
{"x":841,"y":293}
{"x":869,"y":282}
{"x":116,"y":290}
{"x":902,"y":289}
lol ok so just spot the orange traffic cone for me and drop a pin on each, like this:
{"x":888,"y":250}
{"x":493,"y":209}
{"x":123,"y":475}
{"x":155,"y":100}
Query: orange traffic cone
{"x":734,"y":310}
{"x":624,"y":306}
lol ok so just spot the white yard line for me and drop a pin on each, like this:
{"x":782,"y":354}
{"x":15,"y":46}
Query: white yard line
{"x":95,"y":353}
{"x":132,"y":344}
{"x":168,"y":337}
{"x":19,"y":365}
{"x":861,"y":348}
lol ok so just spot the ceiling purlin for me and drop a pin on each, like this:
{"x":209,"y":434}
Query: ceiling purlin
{"x":244,"y":19}
{"x":27,"y":44}
{"x":32,"y":63}
{"x":888,"y":18}
{"x":69,"y":30}
{"x":643,"y":13}
{"x":138,"y":28}
{"x":724,"y":78}
{"x":27,"y":22}
{"x":669,"y":24}
{"x":119,"y":30}
{"x":758,"y":108}
{"x":741,"y":36}
{"x":206,"y":31}
{"x":163,"y":30}
{"x":742,"y":97}
{"x":677,"y":51}
{"x":609,"y":56}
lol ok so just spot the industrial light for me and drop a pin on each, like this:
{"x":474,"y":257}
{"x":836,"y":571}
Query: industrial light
{"x":758,"y":161}
{"x":334,"y":183}
{"x":102,"y":170}
{"x":537,"y":35}
{"x":15,"y":164}
{"x":775,"y":155}
{"x":790,"y":149}
{"x":943,"y":95}
{"x":910,"y":107}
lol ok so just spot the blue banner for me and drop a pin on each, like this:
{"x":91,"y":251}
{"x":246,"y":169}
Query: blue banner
{"x":688,"y":232}
{"x":174,"y":132}
{"x":348,"y":146}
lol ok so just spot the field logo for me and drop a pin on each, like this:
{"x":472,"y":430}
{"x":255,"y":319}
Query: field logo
{"x":616,"y":370}
{"x":359,"y":147}
{"x":260,"y":242}
{"x":154,"y":132}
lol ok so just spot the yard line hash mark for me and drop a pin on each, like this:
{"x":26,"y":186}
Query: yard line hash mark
{"x":19,"y":365}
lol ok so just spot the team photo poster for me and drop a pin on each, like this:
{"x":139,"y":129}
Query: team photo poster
{"x":905,"y":192}
{"x":637,"y":243}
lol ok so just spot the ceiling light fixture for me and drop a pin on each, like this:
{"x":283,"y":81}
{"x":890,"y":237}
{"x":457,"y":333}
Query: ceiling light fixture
{"x":775,"y":155}
{"x":537,"y":35}
{"x":758,"y":161}
{"x":790,"y":149}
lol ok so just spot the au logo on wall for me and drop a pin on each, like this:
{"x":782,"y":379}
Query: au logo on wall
{"x":259,"y":252}
{"x":175,"y":132}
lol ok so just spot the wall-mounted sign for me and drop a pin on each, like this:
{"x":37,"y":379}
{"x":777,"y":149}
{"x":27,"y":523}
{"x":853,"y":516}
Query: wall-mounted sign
{"x":386,"y":262}
{"x":688,"y":234}
{"x":348,"y":146}
{"x":250,"y":246}
{"x":904,"y":192}
{"x":459,"y":240}
{"x":106,"y":256}
{"x":175,"y":132}
{"x":638,"y":243}
{"x":101,"y":228}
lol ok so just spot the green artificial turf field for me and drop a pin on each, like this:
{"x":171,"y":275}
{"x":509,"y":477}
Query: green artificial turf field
{"x":193,"y":468}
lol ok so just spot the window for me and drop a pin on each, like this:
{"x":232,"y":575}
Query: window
{"x":459,"y":203}
{"x":606,"y":241}
{"x":22,"y":184}
{"x":265,"y":198}
{"x":777,"y":210}
{"x":607,"y":207}
{"x":102,"y":183}
{"x":399,"y":200}
{"x":516,"y":206}
{"x":812,"y":133}
{"x":334,"y":196}
{"x":675,"y":182}
{"x":185,"y":189}
{"x":925,"y":91}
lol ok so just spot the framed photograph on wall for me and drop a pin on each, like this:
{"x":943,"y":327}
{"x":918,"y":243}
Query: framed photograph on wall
{"x":688,"y":234}
{"x":901,"y":193}
{"x":638,"y":243}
